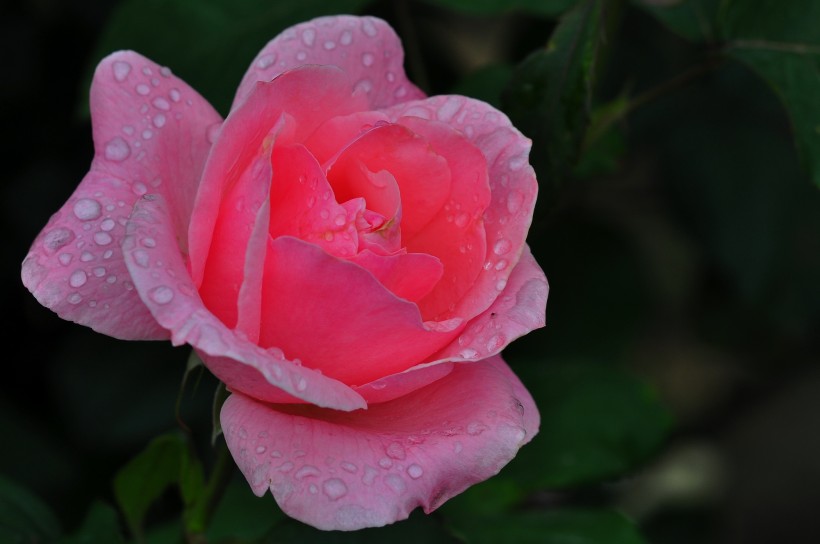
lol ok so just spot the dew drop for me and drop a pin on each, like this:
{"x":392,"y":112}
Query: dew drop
{"x":266,"y":61}
{"x":162,"y":294}
{"x":516,"y":163}
{"x":476,"y":428}
{"x":501,"y":265}
{"x":213,"y":133}
{"x":57,"y":238}
{"x":400,"y":92}
{"x":501,"y":284}
{"x":161,"y":104}
{"x":74,"y":298}
{"x":108,"y":225}
{"x":307,"y":471}
{"x":99,"y":271}
{"x":301,"y":384}
{"x":77,"y":278}
{"x":346,"y":38}
{"x":364,"y":86}
{"x":165,"y":71}
{"x":301,"y":56}
{"x":502,"y":247}
{"x":87,"y":256}
{"x":139,"y":188}
{"x":334,"y":488}
{"x":395,"y":483}
{"x":308,"y":37}
{"x":385,"y":462}
{"x":395,"y":450}
{"x":143,"y":89}
{"x":468,"y":353}
{"x":261,"y":449}
{"x":369,"y":475}
{"x":348,"y":466}
{"x":117,"y":149}
{"x":121,"y":70}
{"x":287,"y":466}
{"x":495,"y":342}
{"x":174,"y":94}
{"x":329,"y":45}
{"x":461,"y":220}
{"x":65,"y":258}
{"x":87,"y":209}
{"x":415,"y":471}
{"x":142,"y":258}
{"x":369,"y":28}
{"x":147,"y":134}
{"x":514,"y":201}
{"x":102,"y":238}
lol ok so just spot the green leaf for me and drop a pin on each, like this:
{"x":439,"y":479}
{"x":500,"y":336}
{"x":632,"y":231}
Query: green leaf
{"x":100,"y":526}
{"x":146,"y":477}
{"x":24,"y":517}
{"x":547,"y":8}
{"x":780,"y":41}
{"x":242,"y":515}
{"x":209,"y":43}
{"x":694,"y":20}
{"x":597,"y":422}
{"x":552,"y":527}
{"x":549,"y":97}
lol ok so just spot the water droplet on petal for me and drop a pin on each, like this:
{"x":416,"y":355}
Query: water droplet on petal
{"x":476,"y":428}
{"x":147,"y":134}
{"x":395,"y":483}
{"x":87,"y":209}
{"x":349,"y":467}
{"x":161,"y":294}
{"x":468,"y":353}
{"x":143,"y":89}
{"x":117,"y":149}
{"x":102,"y":238}
{"x":65,"y":258}
{"x":121,"y":70}
{"x":99,"y":271}
{"x":368,"y":59}
{"x":415,"y":471}
{"x":139,"y":188}
{"x":174,"y":94}
{"x":516,"y":163}
{"x":87,"y":256}
{"x":57,"y":238}
{"x":159,"y":120}
{"x":261,"y":449}
{"x":308,"y":36}
{"x":461,"y":220}
{"x":329,"y":45}
{"x":307,"y":471}
{"x":107,"y":225}
{"x":502,"y":247}
{"x":213,"y":133}
{"x":369,"y":475}
{"x":395,"y":450}
{"x":74,"y":298}
{"x":161,"y":104}
{"x":514,"y":201}
{"x":369,"y":28}
{"x":501,"y":284}
{"x":77,"y":278}
{"x":287,"y":466}
{"x":346,"y":38}
{"x":334,"y":488}
{"x":266,"y":61}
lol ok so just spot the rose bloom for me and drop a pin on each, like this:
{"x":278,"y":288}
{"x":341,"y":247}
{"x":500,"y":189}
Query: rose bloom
{"x":346,"y":255}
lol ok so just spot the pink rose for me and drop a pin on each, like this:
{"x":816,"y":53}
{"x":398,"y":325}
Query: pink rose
{"x":336,"y":251}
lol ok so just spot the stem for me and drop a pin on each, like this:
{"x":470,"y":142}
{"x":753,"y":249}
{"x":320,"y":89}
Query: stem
{"x":669,"y":86}
{"x":199,"y":516}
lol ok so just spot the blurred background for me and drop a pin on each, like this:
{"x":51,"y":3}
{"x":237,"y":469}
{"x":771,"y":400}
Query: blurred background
{"x":677,"y":145}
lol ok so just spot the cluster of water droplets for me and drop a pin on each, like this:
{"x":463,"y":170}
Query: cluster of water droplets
{"x":355,"y":44}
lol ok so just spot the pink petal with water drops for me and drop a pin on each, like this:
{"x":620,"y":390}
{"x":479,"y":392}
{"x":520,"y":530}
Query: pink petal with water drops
{"x":364,"y":47}
{"x":161,"y":278}
{"x":301,"y":99}
{"x":518,"y":309}
{"x":334,"y":135}
{"x":512,"y":183}
{"x":303,"y":204}
{"x":336,"y":317}
{"x":369,"y":468}
{"x":149,"y":135}
{"x":407,"y":275}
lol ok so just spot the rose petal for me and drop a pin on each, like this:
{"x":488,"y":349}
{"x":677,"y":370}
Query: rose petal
{"x":149,"y":135}
{"x":407,"y":275}
{"x":422,"y":175}
{"x":366,"y":48}
{"x":239,"y":213}
{"x":518,"y":309}
{"x":512,"y":183}
{"x":304,"y":98}
{"x":162,"y":281}
{"x":336,"y":317}
{"x":397,"y":385}
{"x":369,"y":468}
{"x":334,"y":135}
{"x":303,"y":204}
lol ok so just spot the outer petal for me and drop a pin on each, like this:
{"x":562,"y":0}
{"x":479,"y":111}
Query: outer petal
{"x":366,"y":48}
{"x":512,"y":184}
{"x":517,"y":310}
{"x":304,"y":98}
{"x":347,"y":471}
{"x":164,"y":285}
{"x":149,"y":134}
